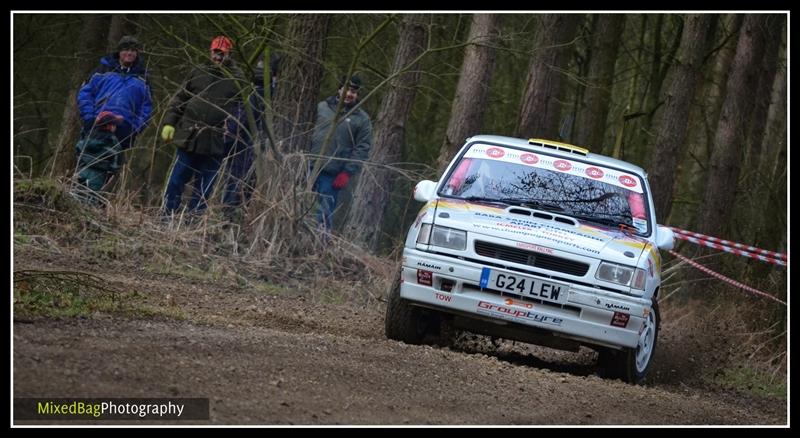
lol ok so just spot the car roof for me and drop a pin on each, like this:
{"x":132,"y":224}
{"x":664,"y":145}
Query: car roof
{"x":524,"y":144}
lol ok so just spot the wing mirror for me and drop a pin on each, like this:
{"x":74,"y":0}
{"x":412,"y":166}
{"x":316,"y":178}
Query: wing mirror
{"x":425,"y":191}
{"x":665,"y":238}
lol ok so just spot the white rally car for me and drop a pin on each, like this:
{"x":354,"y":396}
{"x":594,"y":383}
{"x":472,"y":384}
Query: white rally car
{"x":540,"y":242}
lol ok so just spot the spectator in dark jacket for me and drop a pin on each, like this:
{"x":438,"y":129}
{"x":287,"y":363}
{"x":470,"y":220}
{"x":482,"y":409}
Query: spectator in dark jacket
{"x":240,"y":179}
{"x":348,"y":148}
{"x":119,"y":85}
{"x":198,"y":122}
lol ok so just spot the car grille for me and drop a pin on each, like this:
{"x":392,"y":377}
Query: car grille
{"x":539,"y":260}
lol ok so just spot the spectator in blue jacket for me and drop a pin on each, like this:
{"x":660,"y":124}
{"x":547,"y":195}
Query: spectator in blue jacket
{"x":119,"y":85}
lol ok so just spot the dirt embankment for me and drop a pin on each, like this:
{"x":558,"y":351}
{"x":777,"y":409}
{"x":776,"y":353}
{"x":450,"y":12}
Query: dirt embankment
{"x":290,"y":359}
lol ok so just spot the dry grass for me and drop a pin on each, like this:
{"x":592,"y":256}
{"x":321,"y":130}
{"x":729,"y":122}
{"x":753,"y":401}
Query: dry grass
{"x":280,"y":244}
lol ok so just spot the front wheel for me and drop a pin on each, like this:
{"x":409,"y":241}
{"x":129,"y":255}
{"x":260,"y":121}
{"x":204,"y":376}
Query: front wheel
{"x":403,"y":322}
{"x":631,"y":364}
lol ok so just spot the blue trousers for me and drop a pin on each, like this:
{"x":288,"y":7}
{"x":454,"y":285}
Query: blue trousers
{"x":326,"y":201}
{"x":187,"y":165}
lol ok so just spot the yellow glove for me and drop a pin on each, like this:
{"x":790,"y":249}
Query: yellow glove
{"x":167,"y":132}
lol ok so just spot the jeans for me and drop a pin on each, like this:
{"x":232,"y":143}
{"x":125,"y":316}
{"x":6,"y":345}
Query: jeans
{"x":326,"y":201}
{"x":203,"y":168}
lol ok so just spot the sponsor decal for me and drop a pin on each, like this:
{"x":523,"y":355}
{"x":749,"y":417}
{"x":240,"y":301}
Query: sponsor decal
{"x":443,"y":297}
{"x":650,"y":267}
{"x":577,"y":168}
{"x":506,"y":312}
{"x":620,"y":319}
{"x":424,"y":277}
{"x":627,"y":180}
{"x":557,"y":236}
{"x":510,"y":302}
{"x":640,"y":224}
{"x":594,"y":172}
{"x":487,"y":215}
{"x":495,"y":152}
{"x":562,"y":165}
{"x":617,"y":307}
{"x":428,"y":265}
{"x":535,"y":248}
{"x":529,"y":158}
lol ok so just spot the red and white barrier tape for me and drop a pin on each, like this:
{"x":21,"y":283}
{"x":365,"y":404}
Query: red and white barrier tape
{"x":702,"y":242}
{"x":747,"y":248}
{"x":724,"y":278}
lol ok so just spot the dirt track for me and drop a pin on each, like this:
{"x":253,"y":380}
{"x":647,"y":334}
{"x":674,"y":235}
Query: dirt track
{"x":264,"y":359}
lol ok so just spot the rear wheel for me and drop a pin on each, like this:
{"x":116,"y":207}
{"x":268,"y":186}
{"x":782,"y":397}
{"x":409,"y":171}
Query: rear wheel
{"x":404,"y":322}
{"x":631,"y":364}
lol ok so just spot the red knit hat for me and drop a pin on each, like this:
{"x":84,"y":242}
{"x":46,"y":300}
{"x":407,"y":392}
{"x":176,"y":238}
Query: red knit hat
{"x":222,"y":43}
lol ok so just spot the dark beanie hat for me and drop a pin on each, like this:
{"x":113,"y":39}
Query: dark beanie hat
{"x":127,"y":42}
{"x":354,"y":83}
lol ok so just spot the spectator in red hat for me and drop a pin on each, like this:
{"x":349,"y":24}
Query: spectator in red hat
{"x":99,"y":154}
{"x":198,"y":123}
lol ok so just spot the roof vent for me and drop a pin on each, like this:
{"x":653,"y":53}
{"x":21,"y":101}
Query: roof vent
{"x":563,"y":147}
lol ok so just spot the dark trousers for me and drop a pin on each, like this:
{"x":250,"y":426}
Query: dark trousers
{"x":238,"y":186}
{"x":188,"y":165}
{"x":326,"y":200}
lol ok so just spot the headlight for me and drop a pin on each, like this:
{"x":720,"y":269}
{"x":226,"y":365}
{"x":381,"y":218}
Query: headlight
{"x":424,"y":235}
{"x":620,"y":274}
{"x":449,"y":238}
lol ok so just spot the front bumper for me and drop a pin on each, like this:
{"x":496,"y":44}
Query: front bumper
{"x":586,"y":317}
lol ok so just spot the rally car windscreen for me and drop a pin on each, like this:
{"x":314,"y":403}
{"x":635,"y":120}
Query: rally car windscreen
{"x":587,"y":192}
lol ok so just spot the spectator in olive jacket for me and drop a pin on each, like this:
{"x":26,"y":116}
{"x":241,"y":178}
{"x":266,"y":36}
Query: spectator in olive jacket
{"x":348,"y":147}
{"x":198,"y":122}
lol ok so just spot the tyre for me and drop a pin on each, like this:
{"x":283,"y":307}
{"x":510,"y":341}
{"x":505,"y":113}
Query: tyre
{"x":631,"y":364}
{"x":404,"y":322}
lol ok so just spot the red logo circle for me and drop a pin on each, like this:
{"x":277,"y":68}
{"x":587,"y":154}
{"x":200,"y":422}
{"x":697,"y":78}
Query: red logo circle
{"x":562,"y":165}
{"x":594,"y":172}
{"x":627,"y":181}
{"x":529,"y":158}
{"x":495,"y":152}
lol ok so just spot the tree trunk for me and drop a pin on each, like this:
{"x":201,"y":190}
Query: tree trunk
{"x":723,"y":177}
{"x":119,"y":27}
{"x":773,"y":31}
{"x":672,"y":126}
{"x":703,"y":117}
{"x":590,"y":123}
{"x":91,"y":40}
{"x":540,"y":110}
{"x":371,"y":194}
{"x":299,"y":82}
{"x":472,"y":91}
{"x":772,"y":170}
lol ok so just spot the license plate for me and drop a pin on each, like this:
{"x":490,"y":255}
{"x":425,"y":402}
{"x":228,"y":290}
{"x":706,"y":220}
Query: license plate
{"x":524,"y":285}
